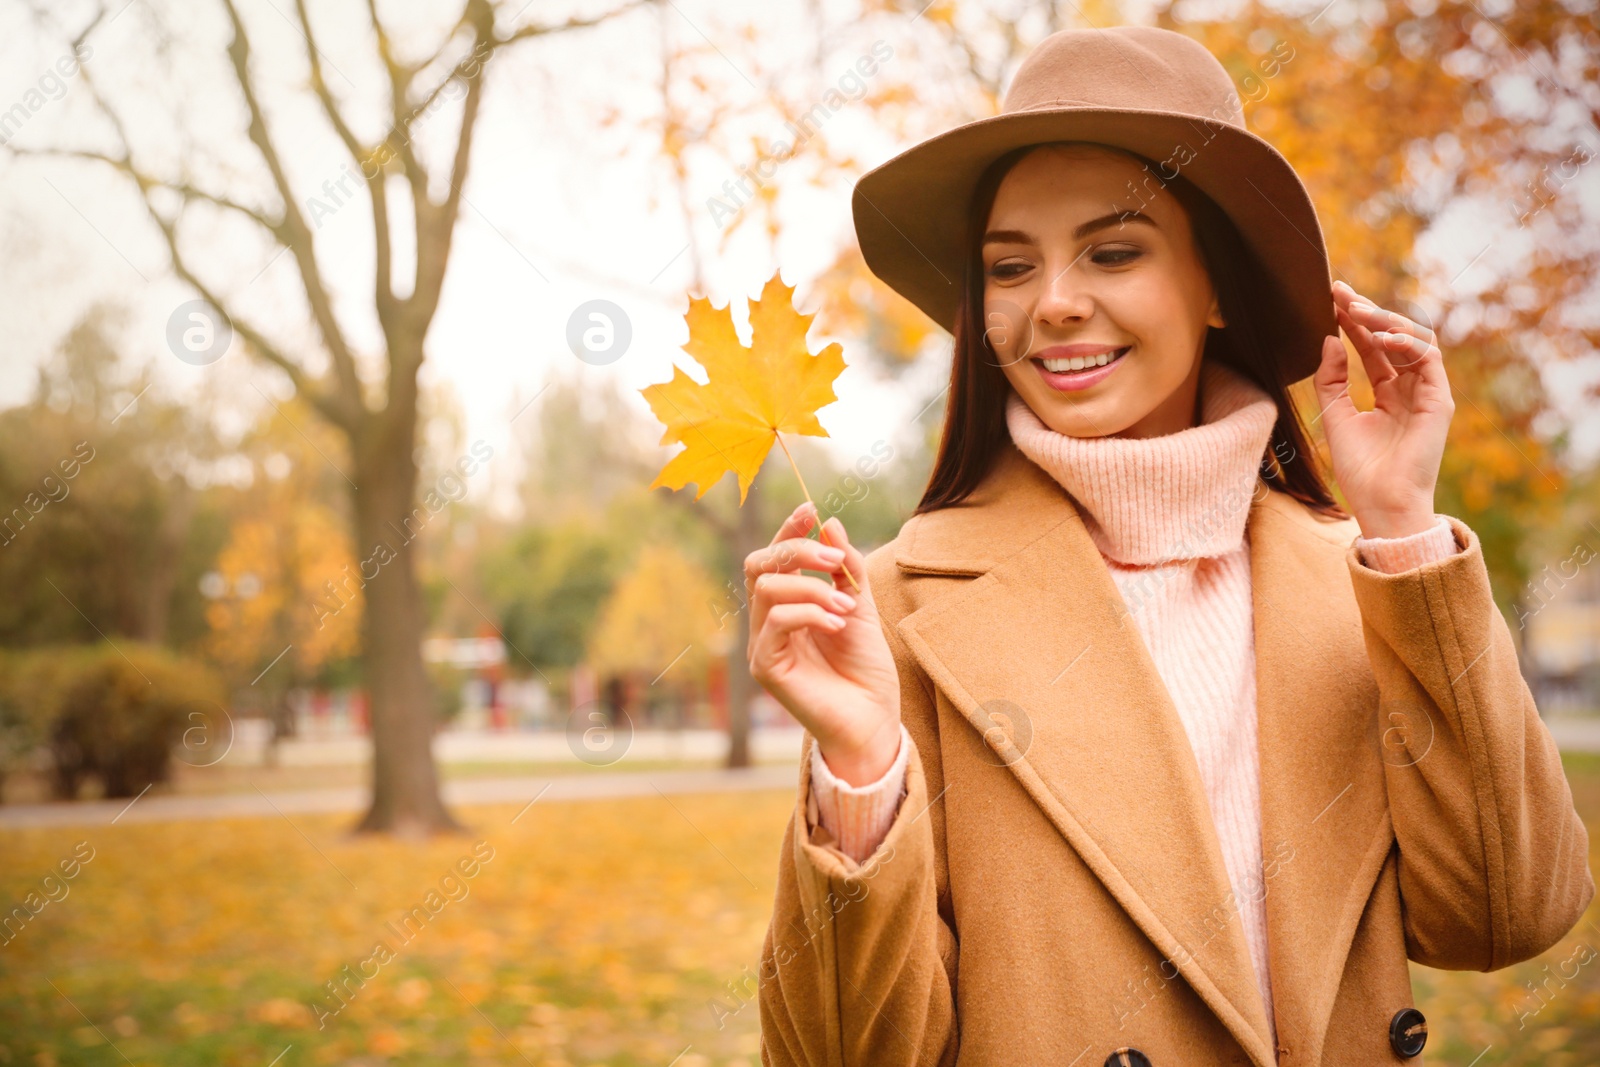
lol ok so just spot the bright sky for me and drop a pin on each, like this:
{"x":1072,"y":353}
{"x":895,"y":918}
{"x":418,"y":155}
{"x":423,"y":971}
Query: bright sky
{"x":560,"y":210}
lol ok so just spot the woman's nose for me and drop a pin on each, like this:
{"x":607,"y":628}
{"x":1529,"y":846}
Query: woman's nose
{"x":1064,"y":298}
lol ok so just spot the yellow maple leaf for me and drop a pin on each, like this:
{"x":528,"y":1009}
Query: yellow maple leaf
{"x":751,"y":394}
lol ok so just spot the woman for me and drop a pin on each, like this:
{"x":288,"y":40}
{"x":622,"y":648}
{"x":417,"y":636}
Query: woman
{"x":1135,"y":747}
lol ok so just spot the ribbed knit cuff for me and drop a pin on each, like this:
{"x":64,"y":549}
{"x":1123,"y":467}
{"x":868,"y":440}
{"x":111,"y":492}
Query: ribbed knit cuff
{"x":1392,"y":555}
{"x":859,"y":816}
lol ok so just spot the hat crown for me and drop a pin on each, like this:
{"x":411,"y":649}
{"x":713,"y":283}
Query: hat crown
{"x":1153,"y":92}
{"x":1143,"y":68}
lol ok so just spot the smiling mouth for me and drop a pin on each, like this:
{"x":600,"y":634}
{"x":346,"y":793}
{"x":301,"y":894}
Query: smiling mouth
{"x":1081,"y":363}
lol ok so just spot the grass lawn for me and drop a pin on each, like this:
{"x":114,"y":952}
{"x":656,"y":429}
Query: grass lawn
{"x":595,"y":933}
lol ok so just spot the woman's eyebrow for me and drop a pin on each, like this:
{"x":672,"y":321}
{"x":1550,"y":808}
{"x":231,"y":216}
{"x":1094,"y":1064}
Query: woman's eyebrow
{"x":1116,"y":217}
{"x":1010,"y":237}
{"x":1022,"y":237}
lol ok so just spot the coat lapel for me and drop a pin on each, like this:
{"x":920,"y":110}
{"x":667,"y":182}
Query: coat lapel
{"x":1324,"y":806}
{"x":1038,"y":655}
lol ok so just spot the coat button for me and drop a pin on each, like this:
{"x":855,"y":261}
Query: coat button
{"x":1408,"y":1032}
{"x":1127,"y":1057}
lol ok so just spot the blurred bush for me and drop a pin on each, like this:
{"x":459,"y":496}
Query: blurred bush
{"x":24,"y":723}
{"x":104,"y":712}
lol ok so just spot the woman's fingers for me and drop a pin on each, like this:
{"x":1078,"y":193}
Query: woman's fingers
{"x":1373,"y":357}
{"x":1375,"y":318}
{"x":781,"y":622}
{"x":1374,"y":323}
{"x":798,"y":588}
{"x":1332,"y":384}
{"x":791,"y":554}
{"x":1407,"y":350}
{"x":796,"y":525}
{"x":853,"y":560}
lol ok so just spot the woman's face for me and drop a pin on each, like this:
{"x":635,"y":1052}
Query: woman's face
{"x":1085,"y":258}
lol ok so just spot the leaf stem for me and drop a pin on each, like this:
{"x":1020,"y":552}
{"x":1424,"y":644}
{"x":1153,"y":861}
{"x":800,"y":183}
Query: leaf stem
{"x":822,"y":533}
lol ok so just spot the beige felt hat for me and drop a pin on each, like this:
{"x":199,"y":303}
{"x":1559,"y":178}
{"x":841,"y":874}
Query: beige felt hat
{"x":1151,"y":91}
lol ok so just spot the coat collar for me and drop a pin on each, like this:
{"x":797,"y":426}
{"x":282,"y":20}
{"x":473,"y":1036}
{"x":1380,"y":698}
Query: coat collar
{"x":1036,"y":649}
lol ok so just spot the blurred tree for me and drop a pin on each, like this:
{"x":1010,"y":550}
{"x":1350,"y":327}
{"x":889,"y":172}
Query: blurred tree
{"x":284,"y":596}
{"x":658,"y":620}
{"x":373,"y":402}
{"x":283,"y":581}
{"x":1389,"y":176}
{"x":108,"y":521}
{"x":547,"y":582}
{"x":856,"y":303}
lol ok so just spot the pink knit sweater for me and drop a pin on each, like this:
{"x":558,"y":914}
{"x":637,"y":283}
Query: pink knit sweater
{"x":1158,"y":509}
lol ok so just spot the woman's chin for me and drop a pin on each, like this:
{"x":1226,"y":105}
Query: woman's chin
{"x":1076,"y":415}
{"x":1080,"y":424}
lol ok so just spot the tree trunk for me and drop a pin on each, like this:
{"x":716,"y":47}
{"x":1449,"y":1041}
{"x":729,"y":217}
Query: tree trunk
{"x":742,"y":687}
{"x":405,"y":784}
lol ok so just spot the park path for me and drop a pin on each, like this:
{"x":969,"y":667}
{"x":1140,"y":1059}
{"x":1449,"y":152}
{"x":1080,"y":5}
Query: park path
{"x":1571,"y":734}
{"x":519,"y":790}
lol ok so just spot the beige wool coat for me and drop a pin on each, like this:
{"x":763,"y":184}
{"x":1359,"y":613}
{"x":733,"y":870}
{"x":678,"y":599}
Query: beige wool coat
{"x":1052,"y":888}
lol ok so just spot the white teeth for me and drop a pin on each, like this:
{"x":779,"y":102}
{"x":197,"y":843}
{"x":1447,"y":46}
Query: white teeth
{"x":1079,"y":362}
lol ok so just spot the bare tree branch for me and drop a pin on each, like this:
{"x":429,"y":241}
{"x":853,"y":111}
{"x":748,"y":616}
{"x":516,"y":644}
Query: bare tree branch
{"x":319,"y":86}
{"x":464,"y":66}
{"x":526,"y":32}
{"x":189,"y":193}
{"x":442,"y":217}
{"x":300,"y":242}
{"x":304,"y":385}
{"x":307,"y":386}
{"x":399,"y":138}
{"x":371,"y":172}
{"x":344,"y":403}
{"x":444,"y":43}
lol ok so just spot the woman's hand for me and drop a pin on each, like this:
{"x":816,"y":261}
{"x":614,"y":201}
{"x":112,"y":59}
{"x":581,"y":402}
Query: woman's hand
{"x":1386,"y":460}
{"x":821,"y":652}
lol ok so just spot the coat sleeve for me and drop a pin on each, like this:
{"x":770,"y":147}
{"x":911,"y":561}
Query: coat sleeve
{"x":859,"y":817}
{"x":1493,"y":857}
{"x":859,"y":963}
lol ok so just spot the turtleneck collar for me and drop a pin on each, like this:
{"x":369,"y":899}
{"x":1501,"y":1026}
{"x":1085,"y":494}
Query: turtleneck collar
{"x":1157,"y":499}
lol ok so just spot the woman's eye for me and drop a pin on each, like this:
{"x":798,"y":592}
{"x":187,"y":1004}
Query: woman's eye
{"x":1007,"y":270}
{"x":1116,"y":257}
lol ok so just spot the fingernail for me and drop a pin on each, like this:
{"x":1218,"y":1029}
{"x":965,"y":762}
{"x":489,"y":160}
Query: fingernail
{"x":836,"y":622}
{"x":845,"y":601}
{"x":1362,"y":308}
{"x":831,"y":555}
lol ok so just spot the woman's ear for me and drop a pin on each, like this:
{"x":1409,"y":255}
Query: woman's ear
{"x":1214,"y":316}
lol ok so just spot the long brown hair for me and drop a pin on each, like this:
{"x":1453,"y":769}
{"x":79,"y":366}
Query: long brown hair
{"x":975,"y":426}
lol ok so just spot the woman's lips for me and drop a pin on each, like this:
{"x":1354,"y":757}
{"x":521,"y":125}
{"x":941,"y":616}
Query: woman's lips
{"x":1073,"y":380}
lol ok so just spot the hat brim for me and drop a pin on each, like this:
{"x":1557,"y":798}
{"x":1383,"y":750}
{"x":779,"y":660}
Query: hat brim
{"x":910,"y":213}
